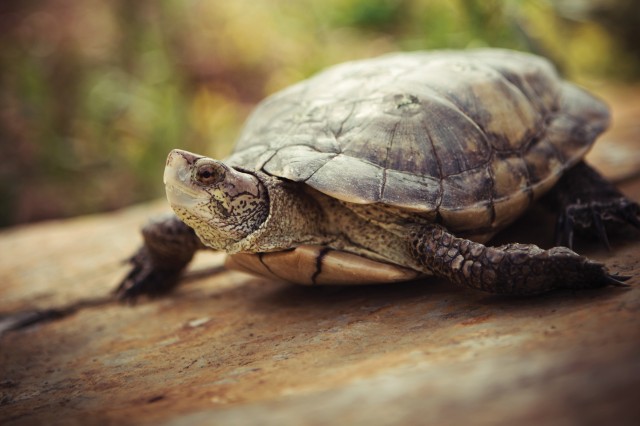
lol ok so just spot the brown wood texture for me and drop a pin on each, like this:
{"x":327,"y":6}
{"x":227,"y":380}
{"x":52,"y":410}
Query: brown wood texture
{"x":228,"y":348}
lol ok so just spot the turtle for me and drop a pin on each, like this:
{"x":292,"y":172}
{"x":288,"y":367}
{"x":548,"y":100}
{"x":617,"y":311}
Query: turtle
{"x":397,"y":168}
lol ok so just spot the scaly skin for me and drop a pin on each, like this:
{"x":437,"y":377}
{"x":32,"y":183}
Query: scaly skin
{"x":519,"y":269}
{"x":169,"y":246}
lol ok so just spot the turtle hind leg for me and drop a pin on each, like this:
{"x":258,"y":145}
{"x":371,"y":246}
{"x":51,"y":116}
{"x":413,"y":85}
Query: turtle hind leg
{"x":588,"y":204}
{"x":519,"y":269}
{"x":169,"y":246}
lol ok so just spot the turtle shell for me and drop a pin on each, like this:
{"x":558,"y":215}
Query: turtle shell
{"x":473,"y":136}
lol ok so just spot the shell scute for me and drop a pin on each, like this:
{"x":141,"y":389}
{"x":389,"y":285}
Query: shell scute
{"x":363,"y":178}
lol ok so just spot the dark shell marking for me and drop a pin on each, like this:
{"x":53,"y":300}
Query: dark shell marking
{"x":311,"y":265}
{"x":473,"y":136}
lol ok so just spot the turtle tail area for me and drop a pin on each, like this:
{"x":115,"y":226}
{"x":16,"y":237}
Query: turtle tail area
{"x":587,"y":204}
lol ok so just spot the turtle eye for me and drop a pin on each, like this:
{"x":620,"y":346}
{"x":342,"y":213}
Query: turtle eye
{"x":207,"y":174}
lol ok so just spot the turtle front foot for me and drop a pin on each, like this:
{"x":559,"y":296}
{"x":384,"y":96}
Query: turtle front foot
{"x":145,"y":278}
{"x":168,"y":247}
{"x":519,"y":269}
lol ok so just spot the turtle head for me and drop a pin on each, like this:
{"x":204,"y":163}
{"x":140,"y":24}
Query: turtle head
{"x":222,"y":204}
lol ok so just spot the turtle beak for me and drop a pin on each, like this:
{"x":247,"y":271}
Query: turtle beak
{"x":178,"y":166}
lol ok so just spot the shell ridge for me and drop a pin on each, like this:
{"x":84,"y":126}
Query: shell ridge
{"x":266,"y":160}
{"x":439,"y":163}
{"x":311,"y":147}
{"x":338,"y":134}
{"x":318,"y":169}
{"x":470,"y":169}
{"x":492,"y":189}
{"x":386,"y":161}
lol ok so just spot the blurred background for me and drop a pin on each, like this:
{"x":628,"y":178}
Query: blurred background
{"x":94,"y":93}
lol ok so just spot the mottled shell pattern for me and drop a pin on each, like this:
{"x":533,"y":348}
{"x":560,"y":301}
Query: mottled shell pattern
{"x":471,"y":136}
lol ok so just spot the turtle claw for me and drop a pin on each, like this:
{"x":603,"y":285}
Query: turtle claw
{"x":617,"y":280}
{"x":564,"y":231}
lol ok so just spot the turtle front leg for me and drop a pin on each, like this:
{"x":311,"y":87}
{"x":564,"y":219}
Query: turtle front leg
{"x":169,"y":246}
{"x":519,"y":269}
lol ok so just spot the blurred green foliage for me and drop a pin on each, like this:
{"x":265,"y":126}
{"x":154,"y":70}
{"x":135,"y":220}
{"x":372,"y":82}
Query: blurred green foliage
{"x":94,"y":93}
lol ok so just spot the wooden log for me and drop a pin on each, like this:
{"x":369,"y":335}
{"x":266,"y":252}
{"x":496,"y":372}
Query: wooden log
{"x":228,"y":348}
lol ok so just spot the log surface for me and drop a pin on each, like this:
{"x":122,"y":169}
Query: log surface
{"x":229,"y":348}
